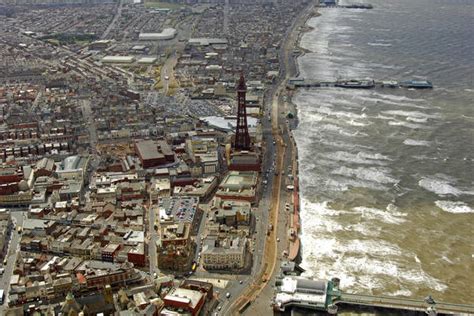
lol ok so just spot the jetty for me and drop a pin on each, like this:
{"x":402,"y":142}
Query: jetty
{"x":294,"y":83}
{"x":294,"y":291}
{"x":335,"y":4}
{"x":350,"y":6}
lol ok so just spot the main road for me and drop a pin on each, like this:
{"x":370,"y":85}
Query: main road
{"x":13,"y":250}
{"x":89,"y":117}
{"x":284,"y":159}
{"x":152,"y":239}
{"x":117,"y":16}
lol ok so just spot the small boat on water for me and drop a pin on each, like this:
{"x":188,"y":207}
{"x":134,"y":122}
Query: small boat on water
{"x":355,"y":84}
{"x":417,"y":84}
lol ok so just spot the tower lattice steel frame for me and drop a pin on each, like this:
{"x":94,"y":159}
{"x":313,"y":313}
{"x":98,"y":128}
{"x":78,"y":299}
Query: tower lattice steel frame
{"x":242,"y":137}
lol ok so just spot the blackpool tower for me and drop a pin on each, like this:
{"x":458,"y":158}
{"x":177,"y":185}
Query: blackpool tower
{"x":242,"y":138}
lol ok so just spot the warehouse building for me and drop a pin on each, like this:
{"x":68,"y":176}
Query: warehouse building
{"x":154,"y":153}
{"x":118,"y":59}
{"x":166,"y":34}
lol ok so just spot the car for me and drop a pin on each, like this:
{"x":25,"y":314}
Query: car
{"x":240,"y":282}
{"x":219,"y":308}
{"x":278,"y":239}
{"x":167,"y":78}
{"x":227,"y":295}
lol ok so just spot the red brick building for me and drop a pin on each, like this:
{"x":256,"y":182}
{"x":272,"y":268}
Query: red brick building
{"x":184,"y":299}
{"x":137,"y":256}
{"x":154,"y":153}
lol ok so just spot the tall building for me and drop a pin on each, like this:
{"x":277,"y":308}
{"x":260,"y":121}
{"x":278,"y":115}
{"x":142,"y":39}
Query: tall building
{"x":242,"y":137}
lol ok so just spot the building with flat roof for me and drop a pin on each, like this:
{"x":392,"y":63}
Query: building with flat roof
{"x":147,"y":60}
{"x":205,"y":41}
{"x":238,"y":185}
{"x":100,"y":44}
{"x":295,"y":291}
{"x":166,"y":34}
{"x":159,"y":188}
{"x":154,"y":153}
{"x":203,"y":152}
{"x":110,"y":251}
{"x":201,"y":189}
{"x":228,"y":253}
{"x":230,"y":213}
{"x":184,"y":299}
{"x":228,"y":123}
{"x":118,"y":59}
{"x":245,"y":161}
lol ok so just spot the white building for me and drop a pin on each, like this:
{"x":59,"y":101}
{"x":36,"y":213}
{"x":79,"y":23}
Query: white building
{"x":166,"y":34}
{"x":301,"y":292}
{"x":118,"y":59}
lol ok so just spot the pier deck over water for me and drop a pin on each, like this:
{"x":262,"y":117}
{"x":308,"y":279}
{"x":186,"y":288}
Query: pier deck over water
{"x":402,"y":304}
{"x":321,"y":295}
{"x":295,"y":83}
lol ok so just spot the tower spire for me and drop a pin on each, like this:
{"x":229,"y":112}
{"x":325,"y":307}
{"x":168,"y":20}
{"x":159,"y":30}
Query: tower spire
{"x":242,"y":138}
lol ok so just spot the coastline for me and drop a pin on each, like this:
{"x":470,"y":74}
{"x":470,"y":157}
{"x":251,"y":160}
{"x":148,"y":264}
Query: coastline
{"x":296,"y":224}
{"x":292,"y":107}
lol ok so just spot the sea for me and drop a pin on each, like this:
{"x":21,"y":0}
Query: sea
{"x":387,"y":175}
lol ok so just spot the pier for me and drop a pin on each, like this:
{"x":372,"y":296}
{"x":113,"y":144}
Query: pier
{"x":335,"y":4}
{"x":321,"y":295}
{"x":402,"y":304}
{"x":295,"y":83}
{"x":349,"y":6}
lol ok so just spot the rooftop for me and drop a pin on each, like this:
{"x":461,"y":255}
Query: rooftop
{"x":185,"y":296}
{"x":167,"y":33}
{"x":148,"y":149}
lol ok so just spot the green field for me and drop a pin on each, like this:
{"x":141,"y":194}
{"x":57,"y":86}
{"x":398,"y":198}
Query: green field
{"x":68,"y":39}
{"x":162,"y":5}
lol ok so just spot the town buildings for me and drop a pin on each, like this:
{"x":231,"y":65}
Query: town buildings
{"x":110,"y":164}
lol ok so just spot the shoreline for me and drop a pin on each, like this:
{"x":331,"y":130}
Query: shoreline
{"x":277,"y":103}
{"x":293,"y":108}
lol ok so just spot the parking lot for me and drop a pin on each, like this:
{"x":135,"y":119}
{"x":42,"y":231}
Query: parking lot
{"x":181,"y":209}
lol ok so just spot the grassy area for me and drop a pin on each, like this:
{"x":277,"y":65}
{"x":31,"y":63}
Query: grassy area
{"x":55,"y":42}
{"x":68,"y":39}
{"x":161,"y":5}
